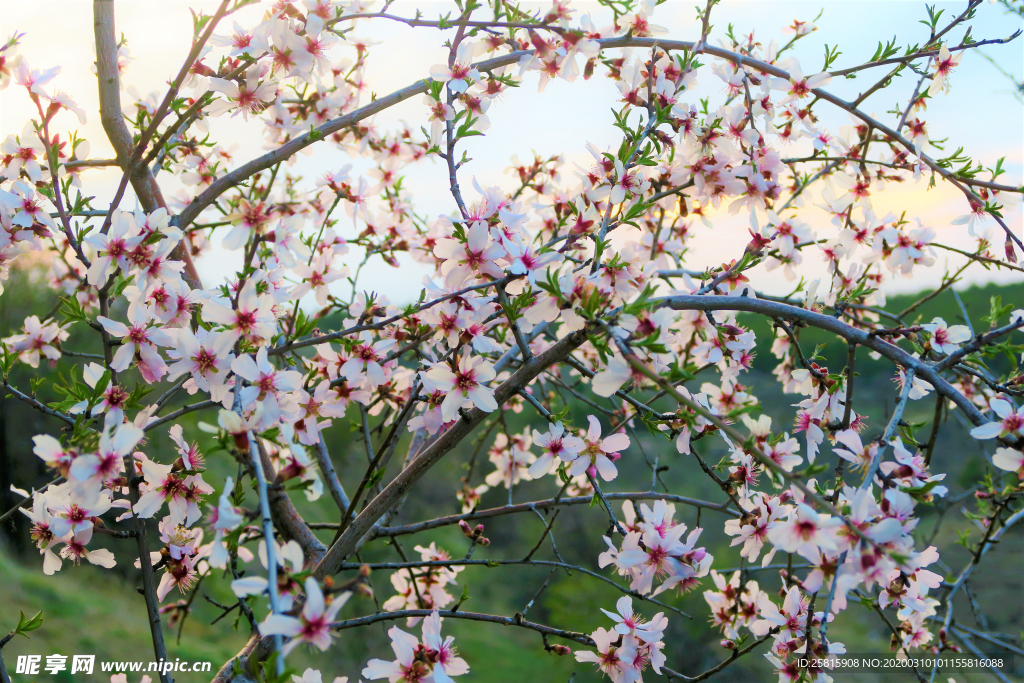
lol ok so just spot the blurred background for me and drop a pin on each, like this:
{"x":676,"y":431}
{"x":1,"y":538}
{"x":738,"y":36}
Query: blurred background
{"x":88,"y":610}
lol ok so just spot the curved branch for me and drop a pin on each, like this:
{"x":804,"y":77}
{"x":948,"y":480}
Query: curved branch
{"x":323,"y":460}
{"x":581,"y":638}
{"x":517,"y":620}
{"x":851,"y":334}
{"x":437,"y":450}
{"x":142,"y":180}
{"x":544,"y":505}
{"x":293,"y":146}
{"x":38,"y":405}
{"x":512,"y":563}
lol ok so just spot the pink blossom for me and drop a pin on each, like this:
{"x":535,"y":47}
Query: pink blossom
{"x":113,"y":248}
{"x":555,"y":447}
{"x":267,"y":384}
{"x":464,"y":260}
{"x":798,"y":86}
{"x":249,"y":97}
{"x":946,"y":339}
{"x":1009,"y":459}
{"x":142,"y":337}
{"x":206,"y":359}
{"x":313,"y":623}
{"x":855,"y":451}
{"x":593,"y":452}
{"x":805,"y":531}
{"x":108,"y":461}
{"x":252,"y":43}
{"x":432,"y":660}
{"x":252,"y":318}
{"x":943,"y":66}
{"x":613,"y":660}
{"x":365,"y":362}
{"x":75,"y":550}
{"x":461,"y":74}
{"x":463,"y":384}
{"x":1010,"y":423}
{"x":37,"y":340}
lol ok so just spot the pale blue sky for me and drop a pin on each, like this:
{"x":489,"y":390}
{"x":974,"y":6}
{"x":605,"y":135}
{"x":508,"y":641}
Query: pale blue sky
{"x":980,"y":113}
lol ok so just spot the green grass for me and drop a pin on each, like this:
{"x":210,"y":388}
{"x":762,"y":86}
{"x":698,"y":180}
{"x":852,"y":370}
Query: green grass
{"x":88,"y":610}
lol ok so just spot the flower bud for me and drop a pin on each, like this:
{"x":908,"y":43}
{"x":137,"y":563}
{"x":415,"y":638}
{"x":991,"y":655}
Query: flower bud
{"x":728,"y":644}
{"x":241,"y":442}
{"x":561,"y":650}
{"x":588,"y":68}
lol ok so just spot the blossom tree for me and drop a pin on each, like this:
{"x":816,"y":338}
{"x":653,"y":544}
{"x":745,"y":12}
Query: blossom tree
{"x":565,"y":287}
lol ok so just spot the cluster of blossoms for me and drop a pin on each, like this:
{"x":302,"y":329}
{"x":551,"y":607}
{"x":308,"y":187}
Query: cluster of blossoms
{"x":580,"y":458}
{"x":653,"y":549}
{"x":66,"y":515}
{"x":573,"y":280}
{"x":632,"y":645}
{"x":870,"y":545}
{"x":430,"y":658}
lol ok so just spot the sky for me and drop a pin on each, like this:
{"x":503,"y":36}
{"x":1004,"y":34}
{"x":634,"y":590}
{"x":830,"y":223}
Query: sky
{"x":980,"y":114}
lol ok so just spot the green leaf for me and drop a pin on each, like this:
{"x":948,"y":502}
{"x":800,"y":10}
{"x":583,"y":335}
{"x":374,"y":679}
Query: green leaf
{"x":816,"y":468}
{"x":72,"y":310}
{"x":920,"y":493}
{"x":7,"y":360}
{"x":269,"y":668}
{"x":886,"y":51}
{"x":376,"y":477}
{"x":100,"y":387}
{"x":831,"y":55}
{"x":26,"y":625}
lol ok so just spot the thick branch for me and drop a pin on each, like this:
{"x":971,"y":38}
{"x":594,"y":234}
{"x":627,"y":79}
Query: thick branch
{"x":825,"y":322}
{"x":142,"y":180}
{"x":293,"y":146}
{"x":437,"y":450}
